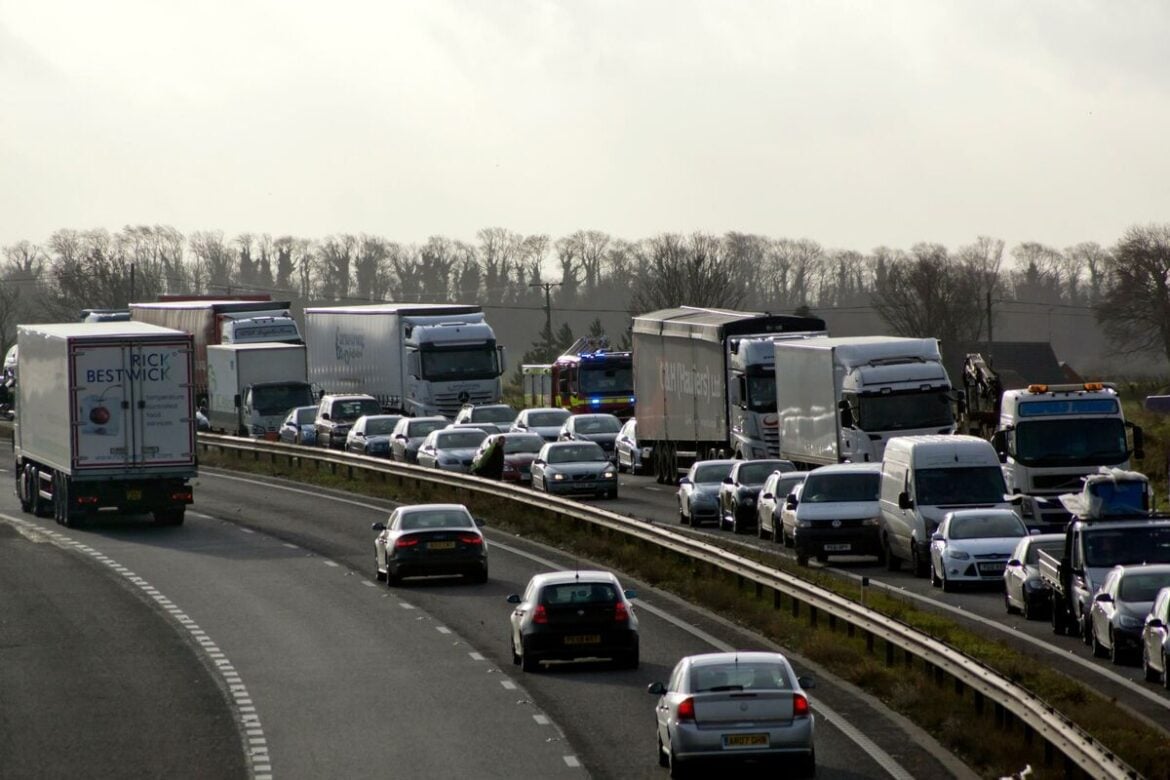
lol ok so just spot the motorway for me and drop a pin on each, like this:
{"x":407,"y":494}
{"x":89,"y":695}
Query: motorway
{"x":254,"y":641}
{"x":981,"y":608}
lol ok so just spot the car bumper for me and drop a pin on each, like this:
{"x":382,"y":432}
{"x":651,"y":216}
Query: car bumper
{"x":438,"y":564}
{"x":973,"y":571}
{"x":705,"y":513}
{"x":1127,"y":639}
{"x":693,"y":742}
{"x":549,"y":646}
{"x":837,"y":541}
{"x":584,"y":488}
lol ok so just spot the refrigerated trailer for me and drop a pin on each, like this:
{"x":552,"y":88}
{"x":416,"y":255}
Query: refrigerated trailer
{"x":104,"y":420}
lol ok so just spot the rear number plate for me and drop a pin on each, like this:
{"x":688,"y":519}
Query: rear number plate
{"x":838,"y":547}
{"x":745,"y":740}
{"x":583,"y":639}
{"x":440,"y":545}
{"x":133,"y":495}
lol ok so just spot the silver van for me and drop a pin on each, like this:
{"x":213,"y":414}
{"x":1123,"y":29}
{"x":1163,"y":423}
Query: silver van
{"x":923,"y":478}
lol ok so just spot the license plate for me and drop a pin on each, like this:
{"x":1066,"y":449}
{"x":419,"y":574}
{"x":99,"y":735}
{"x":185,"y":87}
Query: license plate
{"x":745,"y":740}
{"x":583,"y":639}
{"x":838,"y":547}
{"x":133,"y":495}
{"x":991,"y":568}
{"x":440,"y":545}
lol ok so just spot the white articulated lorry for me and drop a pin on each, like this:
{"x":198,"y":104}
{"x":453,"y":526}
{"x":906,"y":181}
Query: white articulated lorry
{"x":105,"y":420}
{"x":417,"y":359}
{"x":705,"y":384}
{"x":841,"y":399}
{"x":253,"y":386}
{"x":221,"y":322}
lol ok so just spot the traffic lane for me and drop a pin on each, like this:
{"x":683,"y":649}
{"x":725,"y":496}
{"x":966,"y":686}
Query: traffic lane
{"x":95,"y":681}
{"x":331,"y":664}
{"x":606,"y":714}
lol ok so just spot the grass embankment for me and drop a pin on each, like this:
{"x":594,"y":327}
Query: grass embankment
{"x":991,"y":745}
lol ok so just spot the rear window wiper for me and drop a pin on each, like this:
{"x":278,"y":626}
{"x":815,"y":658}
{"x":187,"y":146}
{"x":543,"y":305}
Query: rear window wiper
{"x":719,"y":688}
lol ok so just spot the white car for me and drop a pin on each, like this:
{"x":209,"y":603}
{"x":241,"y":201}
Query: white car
{"x":770,"y":504}
{"x":834,"y":512}
{"x":629,"y":455}
{"x":973,"y":545}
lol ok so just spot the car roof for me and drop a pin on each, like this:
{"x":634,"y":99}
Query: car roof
{"x":838,"y":468}
{"x":380,"y":417}
{"x":348,"y":397}
{"x":583,"y":415}
{"x":1144,"y":568}
{"x":726,"y":462}
{"x":413,"y":508}
{"x":563,"y":577}
{"x":545,"y":409}
{"x":959,"y":514}
{"x":752,"y":656}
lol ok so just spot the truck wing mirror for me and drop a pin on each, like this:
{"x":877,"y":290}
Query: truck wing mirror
{"x":237,"y":400}
{"x":1138,"y":442}
{"x":904,"y":501}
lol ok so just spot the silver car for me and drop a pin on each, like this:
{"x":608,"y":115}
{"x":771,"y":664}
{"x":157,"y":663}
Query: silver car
{"x":1023,"y":589}
{"x":409,"y":434}
{"x":574,"y":468}
{"x":724,"y":707}
{"x":629,"y":455}
{"x":1118,"y":615}
{"x":770,"y":504}
{"x":450,"y":449}
{"x":500,"y":416}
{"x":546,"y":421}
{"x":698,"y":491}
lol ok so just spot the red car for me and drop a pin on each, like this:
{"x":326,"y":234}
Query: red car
{"x":507,"y":456}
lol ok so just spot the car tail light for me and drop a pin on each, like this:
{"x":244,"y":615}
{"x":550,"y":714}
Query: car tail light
{"x":182,"y":495}
{"x":406,"y":541}
{"x":686,"y":709}
{"x":87,"y":499}
{"x":540,"y":614}
{"x":472,"y":539}
{"x":799,"y":706}
{"x":620,"y":613}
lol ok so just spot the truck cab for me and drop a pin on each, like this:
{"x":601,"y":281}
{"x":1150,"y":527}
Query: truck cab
{"x":1049,"y":437}
{"x":450,"y":363}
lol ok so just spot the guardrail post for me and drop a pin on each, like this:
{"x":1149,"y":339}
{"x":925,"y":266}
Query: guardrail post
{"x":759,"y":590}
{"x":812,"y":616}
{"x":795,"y":607}
{"x":776,"y":600}
{"x":999,"y":713}
{"x":332,"y":467}
{"x":349,"y":473}
{"x":889,"y":653}
{"x":833,"y":622}
{"x":1049,"y":753}
{"x":869,"y":642}
{"x":979,"y":706}
{"x":959,"y":688}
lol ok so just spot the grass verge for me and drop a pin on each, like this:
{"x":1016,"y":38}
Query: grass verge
{"x":991,"y":743}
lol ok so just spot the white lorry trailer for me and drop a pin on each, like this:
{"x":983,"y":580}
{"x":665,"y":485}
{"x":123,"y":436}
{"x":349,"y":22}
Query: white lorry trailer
{"x":105,"y":420}
{"x":221,"y":322}
{"x":841,"y":399}
{"x":253,"y":386}
{"x":417,"y":359}
{"x":705,"y":383}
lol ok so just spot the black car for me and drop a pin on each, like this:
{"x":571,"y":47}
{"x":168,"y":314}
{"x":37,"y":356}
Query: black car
{"x":737,"y":494}
{"x":601,"y":429}
{"x":408,"y":436}
{"x":336,"y":414}
{"x":430,"y":539}
{"x":573,"y":615}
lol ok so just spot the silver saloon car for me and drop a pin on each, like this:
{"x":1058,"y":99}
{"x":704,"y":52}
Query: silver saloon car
{"x":747,"y":707}
{"x":698,"y":491}
{"x":450,"y":449}
{"x":574,"y":468}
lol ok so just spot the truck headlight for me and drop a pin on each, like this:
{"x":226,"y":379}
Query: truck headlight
{"x":958,"y":555}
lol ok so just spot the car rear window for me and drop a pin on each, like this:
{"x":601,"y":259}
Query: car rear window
{"x":739,"y":676}
{"x":497,"y":414}
{"x":986,"y":527}
{"x":457,"y":439}
{"x":307,"y":415}
{"x":417,"y":521}
{"x":1143,"y":586}
{"x":757,"y":473}
{"x":579,"y":593}
{"x":547,"y":419}
{"x":423,"y":427}
{"x":715,"y":472}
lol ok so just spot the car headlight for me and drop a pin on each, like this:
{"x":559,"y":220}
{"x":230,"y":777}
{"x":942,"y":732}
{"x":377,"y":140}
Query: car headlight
{"x":258,"y":430}
{"x":958,"y":555}
{"x":870,"y":521}
{"x":803,"y":523}
{"x":558,"y":477}
{"x":1129,"y":621}
{"x":609,"y":475}
{"x":748,"y":501}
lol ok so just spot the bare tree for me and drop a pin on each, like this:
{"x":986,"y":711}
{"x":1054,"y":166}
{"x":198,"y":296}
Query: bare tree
{"x":1092,"y":261}
{"x":285,"y":266}
{"x":370,"y":272}
{"x":928,"y":295}
{"x":498,"y":253}
{"x":1135,"y":306}
{"x":335,"y":257}
{"x":983,"y":260}
{"x":689,"y":270}
{"x":214,"y":262}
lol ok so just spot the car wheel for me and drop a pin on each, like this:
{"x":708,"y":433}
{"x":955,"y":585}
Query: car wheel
{"x":736,"y":525}
{"x":1148,"y":671}
{"x":935,"y":580}
{"x":527,"y":662}
{"x":916,"y":563}
{"x":947,"y":585}
{"x":392,"y":579}
{"x":380,"y":576}
{"x":789,"y":542}
{"x":777,"y":532}
{"x":663,"y":759}
{"x":809,"y":765}
{"x":1099,"y":650}
{"x":1166,"y":671}
{"x":892,"y":562}
{"x":1116,"y":656}
{"x":682,"y":518}
{"x":1086,"y":629}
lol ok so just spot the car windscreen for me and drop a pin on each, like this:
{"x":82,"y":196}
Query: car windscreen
{"x":757,"y":473}
{"x":514,"y":445}
{"x":307,"y":415}
{"x":454,"y":440}
{"x":597,"y":425}
{"x":1108,"y":547}
{"x":959,"y":485}
{"x":714,"y":472}
{"x":441,"y":518}
{"x":493,"y":414}
{"x":579,"y":593}
{"x":423,"y":427}
{"x":833,"y":488}
{"x":577,"y":453}
{"x":753,"y":675}
{"x":1142,"y":586}
{"x":786,"y":485}
{"x":382,"y":426}
{"x":351,"y":410}
{"x":995,"y":526}
{"x":547,"y":419}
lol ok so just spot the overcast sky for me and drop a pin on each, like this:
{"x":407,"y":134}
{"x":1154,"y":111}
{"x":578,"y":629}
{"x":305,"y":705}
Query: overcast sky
{"x":855,"y":124}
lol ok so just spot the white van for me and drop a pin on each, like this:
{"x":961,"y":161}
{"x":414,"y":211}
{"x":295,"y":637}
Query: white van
{"x":923,"y":478}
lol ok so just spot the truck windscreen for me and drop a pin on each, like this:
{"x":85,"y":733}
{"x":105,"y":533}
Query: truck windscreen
{"x":606,"y":380}
{"x":761,"y":393}
{"x":278,"y":399}
{"x":1083,"y":441}
{"x":449,"y":365}
{"x":905,"y":411}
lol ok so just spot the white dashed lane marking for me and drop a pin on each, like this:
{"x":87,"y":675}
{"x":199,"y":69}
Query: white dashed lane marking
{"x":443,"y":629}
{"x":404,"y":605}
{"x":508,"y":685}
{"x":256,"y":745}
{"x":476,"y":656}
{"x":572,"y":761}
{"x":333,"y":564}
{"x":541,"y":720}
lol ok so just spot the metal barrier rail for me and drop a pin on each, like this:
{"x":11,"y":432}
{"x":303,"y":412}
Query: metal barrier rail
{"x":1059,"y":733}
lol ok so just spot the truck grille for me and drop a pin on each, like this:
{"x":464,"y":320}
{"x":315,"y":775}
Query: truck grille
{"x":449,"y":403}
{"x":1057,"y":481}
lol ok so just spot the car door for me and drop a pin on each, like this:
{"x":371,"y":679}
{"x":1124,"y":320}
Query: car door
{"x":766,"y":505}
{"x":938,"y":547}
{"x":1101,"y":611}
{"x":355,"y":441}
{"x":1016,"y":572}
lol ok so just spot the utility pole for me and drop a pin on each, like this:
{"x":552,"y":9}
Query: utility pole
{"x":547,"y":309}
{"x":989,"y":336}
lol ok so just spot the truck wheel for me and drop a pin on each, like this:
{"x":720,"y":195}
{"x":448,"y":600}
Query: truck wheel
{"x":21,"y":479}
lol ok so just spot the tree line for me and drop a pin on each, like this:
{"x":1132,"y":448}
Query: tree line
{"x":957,"y":295}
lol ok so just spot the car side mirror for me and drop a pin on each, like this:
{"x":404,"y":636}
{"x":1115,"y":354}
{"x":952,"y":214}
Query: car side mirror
{"x":538,"y":462}
{"x":806,"y":682}
{"x":631,"y":593}
{"x":768,"y":496}
{"x":655,"y":689}
{"x":1155,"y":623}
{"x":1014,"y":562}
{"x":1104,"y":598}
{"x":936,"y":537}
{"x":684,"y":481}
{"x":791,"y":502}
{"x":325,"y":416}
{"x":514,"y":598}
{"x":378,"y":527}
{"x":904,"y":501}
